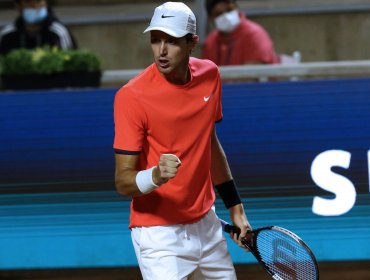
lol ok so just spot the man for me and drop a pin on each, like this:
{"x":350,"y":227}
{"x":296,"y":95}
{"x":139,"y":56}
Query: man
{"x":168,"y":156}
{"x":236,"y":39}
{"x":35,"y":27}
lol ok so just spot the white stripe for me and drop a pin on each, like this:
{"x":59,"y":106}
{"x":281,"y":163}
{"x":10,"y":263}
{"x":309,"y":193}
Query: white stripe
{"x":7,"y":29}
{"x":62,"y":32}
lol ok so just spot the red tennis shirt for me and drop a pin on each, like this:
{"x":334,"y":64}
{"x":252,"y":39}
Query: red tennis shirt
{"x":154,"y":117}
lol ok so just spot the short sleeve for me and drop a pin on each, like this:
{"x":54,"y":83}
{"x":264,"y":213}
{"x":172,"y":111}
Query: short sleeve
{"x":129,"y":123}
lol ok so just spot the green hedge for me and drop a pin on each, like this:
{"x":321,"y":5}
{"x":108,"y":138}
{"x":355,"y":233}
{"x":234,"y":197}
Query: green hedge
{"x":47,"y":61}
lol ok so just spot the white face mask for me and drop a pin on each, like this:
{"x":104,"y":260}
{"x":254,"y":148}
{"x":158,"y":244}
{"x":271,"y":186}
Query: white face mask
{"x":227,"y":22}
{"x":35,"y":15}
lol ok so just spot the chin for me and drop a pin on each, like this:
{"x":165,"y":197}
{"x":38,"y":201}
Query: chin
{"x":164,"y":71}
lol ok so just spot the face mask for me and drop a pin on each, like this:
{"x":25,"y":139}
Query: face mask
{"x":35,"y":15}
{"x":227,"y":22}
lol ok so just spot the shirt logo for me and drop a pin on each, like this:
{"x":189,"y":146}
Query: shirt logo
{"x":163,"y":16}
{"x":206,"y":98}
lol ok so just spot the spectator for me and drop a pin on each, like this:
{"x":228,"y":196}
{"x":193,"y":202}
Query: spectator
{"x":36,"y":26}
{"x":236,"y":40}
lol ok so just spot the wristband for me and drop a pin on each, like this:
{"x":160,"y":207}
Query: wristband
{"x":144,"y":180}
{"x":229,"y":193}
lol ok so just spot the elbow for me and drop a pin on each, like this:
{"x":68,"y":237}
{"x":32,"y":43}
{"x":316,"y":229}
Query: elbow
{"x":121,"y":188}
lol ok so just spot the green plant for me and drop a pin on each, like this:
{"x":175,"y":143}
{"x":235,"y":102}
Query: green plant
{"x":47,"y":61}
{"x":18,"y":62}
{"x":81,"y":60}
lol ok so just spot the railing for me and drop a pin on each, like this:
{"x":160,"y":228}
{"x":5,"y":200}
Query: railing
{"x":338,"y":69}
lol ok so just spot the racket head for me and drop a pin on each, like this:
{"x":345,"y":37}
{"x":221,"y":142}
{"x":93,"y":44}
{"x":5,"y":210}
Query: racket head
{"x":283,"y":254}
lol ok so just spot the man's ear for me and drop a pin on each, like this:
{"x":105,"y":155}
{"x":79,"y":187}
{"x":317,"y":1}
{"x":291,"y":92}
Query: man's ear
{"x":194,"y":42}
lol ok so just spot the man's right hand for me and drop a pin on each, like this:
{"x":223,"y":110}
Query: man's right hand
{"x":166,"y":169}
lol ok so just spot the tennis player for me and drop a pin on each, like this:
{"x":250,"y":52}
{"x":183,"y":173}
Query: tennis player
{"x":168,"y":157}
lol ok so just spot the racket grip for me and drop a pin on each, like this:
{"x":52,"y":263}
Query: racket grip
{"x":229,"y":228}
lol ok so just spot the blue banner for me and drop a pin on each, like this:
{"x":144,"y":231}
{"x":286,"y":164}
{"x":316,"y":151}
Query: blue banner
{"x":299,"y":152}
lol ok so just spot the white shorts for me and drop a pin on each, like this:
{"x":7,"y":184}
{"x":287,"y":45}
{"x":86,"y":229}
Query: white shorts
{"x":178,"y":252}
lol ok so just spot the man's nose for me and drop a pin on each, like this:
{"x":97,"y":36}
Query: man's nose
{"x":163,"y":48}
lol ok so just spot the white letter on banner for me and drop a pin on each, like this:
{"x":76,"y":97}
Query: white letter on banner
{"x":343,"y":188}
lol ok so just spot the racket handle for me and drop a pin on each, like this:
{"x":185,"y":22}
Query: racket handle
{"x":229,"y":228}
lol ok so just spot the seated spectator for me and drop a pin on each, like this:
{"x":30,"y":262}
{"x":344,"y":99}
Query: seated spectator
{"x":36,"y":26}
{"x":236,"y":40}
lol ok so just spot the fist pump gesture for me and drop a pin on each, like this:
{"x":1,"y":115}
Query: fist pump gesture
{"x":166,"y":169}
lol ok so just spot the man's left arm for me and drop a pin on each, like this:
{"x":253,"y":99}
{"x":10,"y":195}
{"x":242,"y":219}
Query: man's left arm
{"x":225,"y":185}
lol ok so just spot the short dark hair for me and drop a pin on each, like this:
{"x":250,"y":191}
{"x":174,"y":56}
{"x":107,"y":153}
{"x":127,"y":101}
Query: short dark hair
{"x":211,"y":3}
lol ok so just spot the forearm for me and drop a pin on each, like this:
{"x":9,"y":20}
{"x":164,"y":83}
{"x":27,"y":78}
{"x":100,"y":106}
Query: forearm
{"x":237,"y":215}
{"x":225,"y":185}
{"x":125,"y":174}
{"x":125,"y":181}
{"x":133,"y":182}
{"x":239,"y":219}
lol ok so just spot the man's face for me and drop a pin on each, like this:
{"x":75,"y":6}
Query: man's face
{"x":31,"y":4}
{"x":221,"y":8}
{"x":171,"y":54}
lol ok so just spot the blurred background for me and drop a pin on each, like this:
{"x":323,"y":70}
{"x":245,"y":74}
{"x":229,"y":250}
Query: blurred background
{"x":60,"y":217}
{"x":329,"y":30}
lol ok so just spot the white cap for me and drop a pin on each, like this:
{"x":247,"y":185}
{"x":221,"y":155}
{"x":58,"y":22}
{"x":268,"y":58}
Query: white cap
{"x":173,"y":18}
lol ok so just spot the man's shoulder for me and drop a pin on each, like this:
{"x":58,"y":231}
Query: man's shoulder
{"x":201,"y":62}
{"x":204,"y":66}
{"x":140,"y":82}
{"x":144,"y":78}
{"x":135,"y":90}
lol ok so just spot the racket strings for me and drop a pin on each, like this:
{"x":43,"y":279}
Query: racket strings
{"x":284,"y":256}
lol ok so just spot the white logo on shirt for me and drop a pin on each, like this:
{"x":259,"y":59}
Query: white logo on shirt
{"x":206,"y":98}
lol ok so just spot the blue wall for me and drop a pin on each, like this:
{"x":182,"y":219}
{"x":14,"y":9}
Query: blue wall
{"x":58,"y":207}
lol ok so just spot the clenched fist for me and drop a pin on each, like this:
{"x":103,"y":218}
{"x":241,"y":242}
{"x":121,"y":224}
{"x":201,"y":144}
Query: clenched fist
{"x":166,"y":169}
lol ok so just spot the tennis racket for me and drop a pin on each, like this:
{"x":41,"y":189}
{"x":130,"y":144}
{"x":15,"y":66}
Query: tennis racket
{"x":282,"y":253}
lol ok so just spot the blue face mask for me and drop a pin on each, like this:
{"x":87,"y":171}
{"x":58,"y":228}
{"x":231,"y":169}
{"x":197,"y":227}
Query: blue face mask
{"x":35,"y":15}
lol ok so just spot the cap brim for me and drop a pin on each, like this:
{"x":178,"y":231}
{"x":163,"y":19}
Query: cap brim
{"x":173,"y":33}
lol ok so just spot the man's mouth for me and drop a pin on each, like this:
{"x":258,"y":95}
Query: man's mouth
{"x":163,"y":63}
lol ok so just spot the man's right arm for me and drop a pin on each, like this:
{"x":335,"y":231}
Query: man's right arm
{"x":127,"y":172}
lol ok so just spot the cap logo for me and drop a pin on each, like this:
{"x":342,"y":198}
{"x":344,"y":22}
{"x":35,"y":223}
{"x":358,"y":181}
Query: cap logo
{"x":163,"y":16}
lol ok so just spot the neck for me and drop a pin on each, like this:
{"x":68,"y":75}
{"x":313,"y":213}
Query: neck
{"x":179,"y":79}
{"x":181,"y":76}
